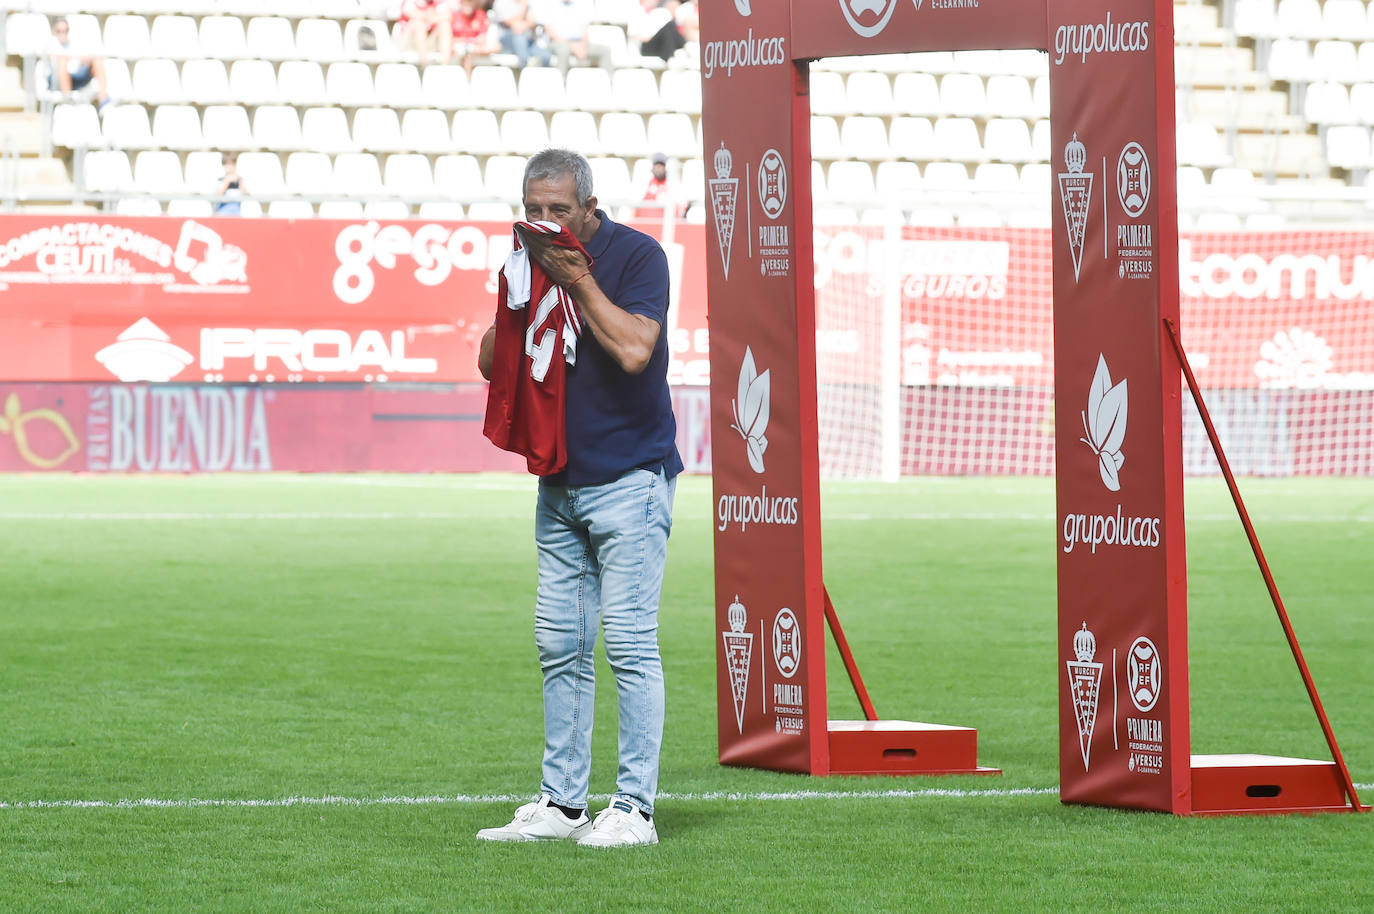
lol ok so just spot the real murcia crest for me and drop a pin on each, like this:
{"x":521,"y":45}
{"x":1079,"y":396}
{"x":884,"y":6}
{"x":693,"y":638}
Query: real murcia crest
{"x":751,"y":409}
{"x":1104,"y":424}
{"x":724,"y":196}
{"x":1075,"y":195}
{"x":739,"y":656}
{"x":1085,"y":684}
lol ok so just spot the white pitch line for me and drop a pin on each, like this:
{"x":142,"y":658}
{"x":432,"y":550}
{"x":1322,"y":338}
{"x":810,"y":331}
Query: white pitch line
{"x":488,"y":799}
{"x":474,"y":799}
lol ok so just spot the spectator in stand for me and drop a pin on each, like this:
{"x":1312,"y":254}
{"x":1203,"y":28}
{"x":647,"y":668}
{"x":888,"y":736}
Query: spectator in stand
{"x":470,"y":30}
{"x":519,"y":33}
{"x":656,"y":191}
{"x":687,"y":20}
{"x":565,"y":23}
{"x":75,"y":68}
{"x":231,"y":187}
{"x":426,"y":23}
{"x":652,"y":25}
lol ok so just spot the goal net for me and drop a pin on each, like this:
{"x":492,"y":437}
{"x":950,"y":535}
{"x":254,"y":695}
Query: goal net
{"x":935,"y":350}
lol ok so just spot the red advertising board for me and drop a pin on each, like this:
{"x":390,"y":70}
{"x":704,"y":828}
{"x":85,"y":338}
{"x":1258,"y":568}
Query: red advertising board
{"x":770,"y":649}
{"x":91,"y":298}
{"x":1123,"y":680}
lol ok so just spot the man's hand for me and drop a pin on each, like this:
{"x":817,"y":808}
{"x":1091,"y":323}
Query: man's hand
{"x":560,"y":264}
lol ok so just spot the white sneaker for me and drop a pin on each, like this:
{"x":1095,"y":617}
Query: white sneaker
{"x":538,"y":821}
{"x":620,"y":825}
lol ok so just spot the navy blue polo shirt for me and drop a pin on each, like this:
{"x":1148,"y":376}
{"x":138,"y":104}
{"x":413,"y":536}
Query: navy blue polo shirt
{"x":617,"y":421}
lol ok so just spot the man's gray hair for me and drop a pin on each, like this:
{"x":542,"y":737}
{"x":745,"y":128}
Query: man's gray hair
{"x":554,"y":163}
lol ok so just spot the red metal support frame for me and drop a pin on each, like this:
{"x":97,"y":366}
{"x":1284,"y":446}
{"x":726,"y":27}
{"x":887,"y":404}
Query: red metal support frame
{"x":849,"y":663}
{"x":1264,"y":569}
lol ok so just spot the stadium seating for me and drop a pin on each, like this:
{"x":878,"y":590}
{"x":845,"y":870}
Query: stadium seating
{"x":1284,"y":91}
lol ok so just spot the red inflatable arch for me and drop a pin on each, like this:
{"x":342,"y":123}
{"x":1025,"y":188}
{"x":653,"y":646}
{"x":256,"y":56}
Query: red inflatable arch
{"x":1122,"y":635}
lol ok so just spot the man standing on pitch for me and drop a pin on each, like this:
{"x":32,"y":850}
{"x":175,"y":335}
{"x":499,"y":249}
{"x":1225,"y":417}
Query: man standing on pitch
{"x":601,"y":525}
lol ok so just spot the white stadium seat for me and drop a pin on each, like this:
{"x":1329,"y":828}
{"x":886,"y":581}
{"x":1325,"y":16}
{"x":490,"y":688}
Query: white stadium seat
{"x":635,"y":89}
{"x":957,"y":138}
{"x":1298,"y":18}
{"x":574,"y":130}
{"x":681,"y":91}
{"x":158,"y":171}
{"x":828,"y":96}
{"x":495,"y":86}
{"x":254,"y":82}
{"x":622,"y":133}
{"x":386,"y":210}
{"x":963,"y":95}
{"x":326,"y":130}
{"x":671,"y":133}
{"x":1337,"y":61}
{"x":502,"y":177}
{"x":309,"y":174}
{"x":156,"y":81}
{"x":262,"y":173}
{"x":1008,"y":139}
{"x":913,"y":138}
{"x":126,"y":36}
{"x":441,"y":211}
{"x":226,"y":127}
{"x":341,"y":209}
{"x":477,"y":131}
{"x":320,"y":39}
{"x":178,"y":127}
{"x":825,"y":138}
{"x":290,"y":209}
{"x":408,"y":176}
{"x":445,"y":87}
{"x":997,"y":178}
{"x":277,"y":127}
{"x":138,"y":206}
{"x":524,"y":132}
{"x":349,"y":83}
{"x":426,"y":130}
{"x":107,"y":171}
{"x":76,"y":125}
{"x":1327,"y":103}
{"x":176,"y":37}
{"x":1362,"y":103}
{"x":205,"y":82}
{"x":1009,"y":96}
{"x":398,"y":85}
{"x":223,"y":37}
{"x":610,"y":180}
{"x":916,"y":94}
{"x":867,"y":92}
{"x":1348,"y":146}
{"x":458,"y":176}
{"x":301,"y":82}
{"x":850,"y":183}
{"x":865,"y":137}
{"x":191,"y":209}
{"x":128,"y":127}
{"x":378,"y":129}
{"x":541,"y":89}
{"x":271,"y":37}
{"x":591,"y":87}
{"x":490,"y":211}
{"x":203,"y":171}
{"x":899,"y":182}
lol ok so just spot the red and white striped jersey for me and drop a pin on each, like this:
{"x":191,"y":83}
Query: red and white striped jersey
{"x":537,"y":328}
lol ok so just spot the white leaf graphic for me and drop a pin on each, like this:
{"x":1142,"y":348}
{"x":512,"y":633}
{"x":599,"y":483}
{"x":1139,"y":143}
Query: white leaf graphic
{"x":747,"y":373}
{"x":1104,"y":423}
{"x":1108,"y":467}
{"x":756,"y":407}
{"x":751,"y":409}
{"x":1111,"y":418}
{"x":755,"y":454}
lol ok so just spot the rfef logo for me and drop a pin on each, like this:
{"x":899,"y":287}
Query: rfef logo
{"x":868,"y":18}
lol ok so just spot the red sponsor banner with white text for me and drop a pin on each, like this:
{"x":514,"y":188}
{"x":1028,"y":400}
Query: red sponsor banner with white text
{"x":90,"y":298}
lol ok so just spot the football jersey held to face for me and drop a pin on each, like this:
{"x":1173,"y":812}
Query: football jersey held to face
{"x":538,"y":325}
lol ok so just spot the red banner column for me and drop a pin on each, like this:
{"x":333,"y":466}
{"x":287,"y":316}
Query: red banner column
{"x":1123,"y":657}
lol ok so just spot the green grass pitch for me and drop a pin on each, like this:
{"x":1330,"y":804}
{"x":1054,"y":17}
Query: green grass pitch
{"x":364,"y":644}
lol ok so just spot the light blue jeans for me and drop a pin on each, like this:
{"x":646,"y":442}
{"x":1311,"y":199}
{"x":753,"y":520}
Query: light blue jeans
{"x":602,"y":550}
